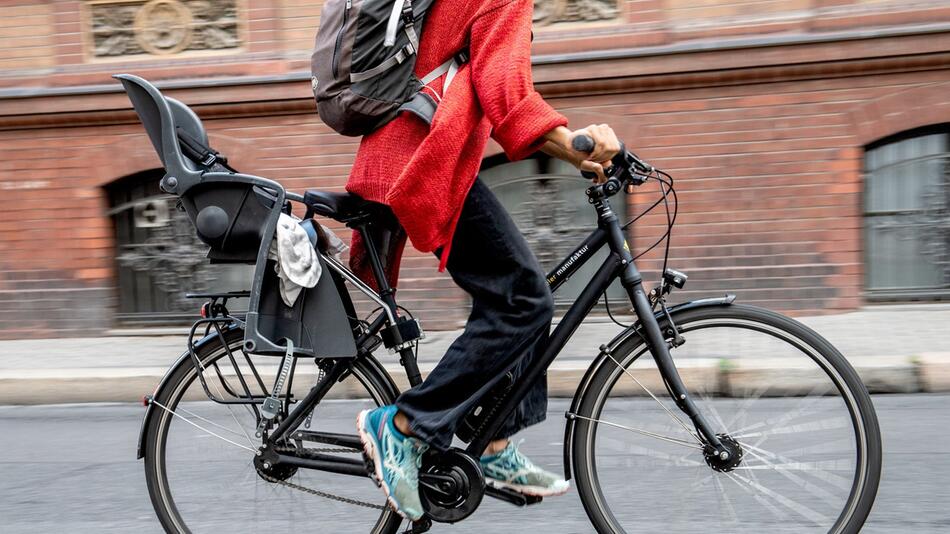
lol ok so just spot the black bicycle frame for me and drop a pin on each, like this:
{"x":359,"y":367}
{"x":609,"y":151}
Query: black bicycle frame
{"x":619,"y":263}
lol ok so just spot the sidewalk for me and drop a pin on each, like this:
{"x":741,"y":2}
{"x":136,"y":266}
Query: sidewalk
{"x":901,"y":348}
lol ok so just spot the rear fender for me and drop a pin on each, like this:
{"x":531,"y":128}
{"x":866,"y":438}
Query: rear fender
{"x":610,"y":348}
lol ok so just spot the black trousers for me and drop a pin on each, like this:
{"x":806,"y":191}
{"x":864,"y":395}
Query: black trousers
{"x":509,"y":325}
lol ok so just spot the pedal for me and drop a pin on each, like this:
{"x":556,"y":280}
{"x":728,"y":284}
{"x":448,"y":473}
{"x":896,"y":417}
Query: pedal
{"x":420,"y":526}
{"x":511,"y":496}
{"x":370,"y":467}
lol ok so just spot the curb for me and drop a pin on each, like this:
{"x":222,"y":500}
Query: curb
{"x":928,"y":372}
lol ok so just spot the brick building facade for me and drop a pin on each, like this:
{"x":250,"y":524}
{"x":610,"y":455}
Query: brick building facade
{"x":773,"y":116}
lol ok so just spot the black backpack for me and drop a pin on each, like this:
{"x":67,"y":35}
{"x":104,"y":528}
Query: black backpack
{"x":364,"y":60}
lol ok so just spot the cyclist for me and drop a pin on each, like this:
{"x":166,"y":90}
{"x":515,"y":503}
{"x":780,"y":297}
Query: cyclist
{"x":427,"y":175}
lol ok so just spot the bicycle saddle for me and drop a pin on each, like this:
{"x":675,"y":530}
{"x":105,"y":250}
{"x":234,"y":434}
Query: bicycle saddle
{"x":343,"y":207}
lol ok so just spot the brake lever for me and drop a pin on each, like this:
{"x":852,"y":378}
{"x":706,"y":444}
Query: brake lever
{"x":623,"y":163}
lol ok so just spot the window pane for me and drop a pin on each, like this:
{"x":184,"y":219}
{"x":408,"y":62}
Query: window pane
{"x":907,"y":215}
{"x":546,"y":200}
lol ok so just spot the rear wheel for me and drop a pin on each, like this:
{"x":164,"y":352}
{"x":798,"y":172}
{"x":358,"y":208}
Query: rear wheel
{"x":199,"y":482}
{"x":806,"y":438}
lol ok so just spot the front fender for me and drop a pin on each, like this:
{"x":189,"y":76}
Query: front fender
{"x":609,"y":348}
{"x":184,"y":359}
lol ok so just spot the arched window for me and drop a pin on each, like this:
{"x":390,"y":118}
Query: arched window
{"x":159,"y":257}
{"x":907,"y":215}
{"x":546,"y":199}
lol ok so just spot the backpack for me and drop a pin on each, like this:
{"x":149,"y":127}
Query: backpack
{"x":363,"y":64}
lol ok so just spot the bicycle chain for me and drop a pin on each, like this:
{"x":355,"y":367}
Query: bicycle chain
{"x":324,"y":494}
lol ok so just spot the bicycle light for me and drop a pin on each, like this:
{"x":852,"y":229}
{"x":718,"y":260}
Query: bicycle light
{"x":674,"y":278}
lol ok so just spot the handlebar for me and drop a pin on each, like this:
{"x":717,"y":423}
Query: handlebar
{"x":624,"y":159}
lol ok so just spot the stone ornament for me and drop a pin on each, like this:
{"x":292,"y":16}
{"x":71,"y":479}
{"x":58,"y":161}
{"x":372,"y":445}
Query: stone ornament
{"x":552,"y":11}
{"x":162,"y":27}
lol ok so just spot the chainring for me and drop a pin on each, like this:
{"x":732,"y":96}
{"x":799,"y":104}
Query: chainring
{"x":451,"y":485}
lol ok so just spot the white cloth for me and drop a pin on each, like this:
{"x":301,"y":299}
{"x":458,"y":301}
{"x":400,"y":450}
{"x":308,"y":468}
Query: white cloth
{"x":297,"y":264}
{"x":335,"y":245}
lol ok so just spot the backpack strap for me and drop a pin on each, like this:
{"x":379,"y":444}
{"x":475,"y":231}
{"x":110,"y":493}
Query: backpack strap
{"x":422,"y":104}
{"x":390,"y":62}
{"x":449,"y":67}
{"x":401,"y":10}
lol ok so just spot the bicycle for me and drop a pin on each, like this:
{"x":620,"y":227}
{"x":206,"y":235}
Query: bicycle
{"x":747,"y":451}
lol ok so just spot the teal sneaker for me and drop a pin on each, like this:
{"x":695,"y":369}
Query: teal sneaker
{"x":513,"y":470}
{"x":396,"y":460}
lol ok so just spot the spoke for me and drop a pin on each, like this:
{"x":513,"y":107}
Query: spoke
{"x":796,"y":507}
{"x":724,"y":497}
{"x":803,"y":404}
{"x":820,"y":465}
{"x":801,"y":482}
{"x":758,"y":497}
{"x":687,"y":495}
{"x":639,"y":431}
{"x":635,"y":449}
{"x":835,"y":480}
{"x":688,"y":430}
{"x":707,"y":403}
{"x":829,"y":446}
{"x":222,"y":427}
{"x":746,"y":403}
{"x":228,"y":406}
{"x":829,"y":423}
{"x":199,"y":427}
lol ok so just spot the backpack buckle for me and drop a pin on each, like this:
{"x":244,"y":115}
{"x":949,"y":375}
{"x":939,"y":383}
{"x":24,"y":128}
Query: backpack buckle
{"x":407,"y":16}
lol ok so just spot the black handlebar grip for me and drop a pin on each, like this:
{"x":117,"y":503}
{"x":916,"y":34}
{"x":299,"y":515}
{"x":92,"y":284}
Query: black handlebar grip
{"x":583,"y":143}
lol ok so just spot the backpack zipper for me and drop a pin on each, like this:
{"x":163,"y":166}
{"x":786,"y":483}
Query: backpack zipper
{"x":339,"y":39}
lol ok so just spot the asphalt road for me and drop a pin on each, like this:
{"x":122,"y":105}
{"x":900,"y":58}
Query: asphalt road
{"x":72,"y":468}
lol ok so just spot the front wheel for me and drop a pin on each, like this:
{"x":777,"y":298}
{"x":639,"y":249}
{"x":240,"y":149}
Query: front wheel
{"x":806,"y":438}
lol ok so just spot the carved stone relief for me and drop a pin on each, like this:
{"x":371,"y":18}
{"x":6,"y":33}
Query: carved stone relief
{"x":551,"y":11}
{"x":545,"y":220}
{"x":162,"y":27}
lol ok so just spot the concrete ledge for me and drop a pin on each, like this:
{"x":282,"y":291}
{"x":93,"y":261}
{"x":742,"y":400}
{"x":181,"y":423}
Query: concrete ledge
{"x":928,"y":372}
{"x":934,"y":371}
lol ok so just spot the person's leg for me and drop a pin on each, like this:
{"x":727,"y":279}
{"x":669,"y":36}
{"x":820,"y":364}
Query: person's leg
{"x":511,"y":316}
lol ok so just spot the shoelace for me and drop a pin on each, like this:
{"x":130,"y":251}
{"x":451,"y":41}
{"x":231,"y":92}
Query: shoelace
{"x":396,"y":454}
{"x":514,"y":462}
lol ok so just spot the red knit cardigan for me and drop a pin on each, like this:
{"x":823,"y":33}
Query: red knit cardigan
{"x":424,"y":173}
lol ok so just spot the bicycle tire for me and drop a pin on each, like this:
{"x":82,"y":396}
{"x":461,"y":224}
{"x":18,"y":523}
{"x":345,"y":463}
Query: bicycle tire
{"x":595,"y":391}
{"x":365,"y":369}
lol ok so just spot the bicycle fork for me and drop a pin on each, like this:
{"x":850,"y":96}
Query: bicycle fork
{"x":632,"y":282}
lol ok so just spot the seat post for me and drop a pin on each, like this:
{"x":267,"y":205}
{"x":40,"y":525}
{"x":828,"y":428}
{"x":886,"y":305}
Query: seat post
{"x":382,"y":282}
{"x":407,"y":356}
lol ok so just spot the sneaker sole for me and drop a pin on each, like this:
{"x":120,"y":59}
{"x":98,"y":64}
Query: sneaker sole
{"x":533,"y":491}
{"x":371,"y":456}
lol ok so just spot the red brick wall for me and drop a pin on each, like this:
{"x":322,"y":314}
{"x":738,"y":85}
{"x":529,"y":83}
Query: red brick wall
{"x":765,"y":143}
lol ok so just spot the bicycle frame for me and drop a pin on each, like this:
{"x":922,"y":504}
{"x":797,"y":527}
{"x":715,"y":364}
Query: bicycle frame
{"x":619,"y":264}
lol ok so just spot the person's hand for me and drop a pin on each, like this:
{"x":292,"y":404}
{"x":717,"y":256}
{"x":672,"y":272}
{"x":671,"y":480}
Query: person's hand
{"x":606,"y":146}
